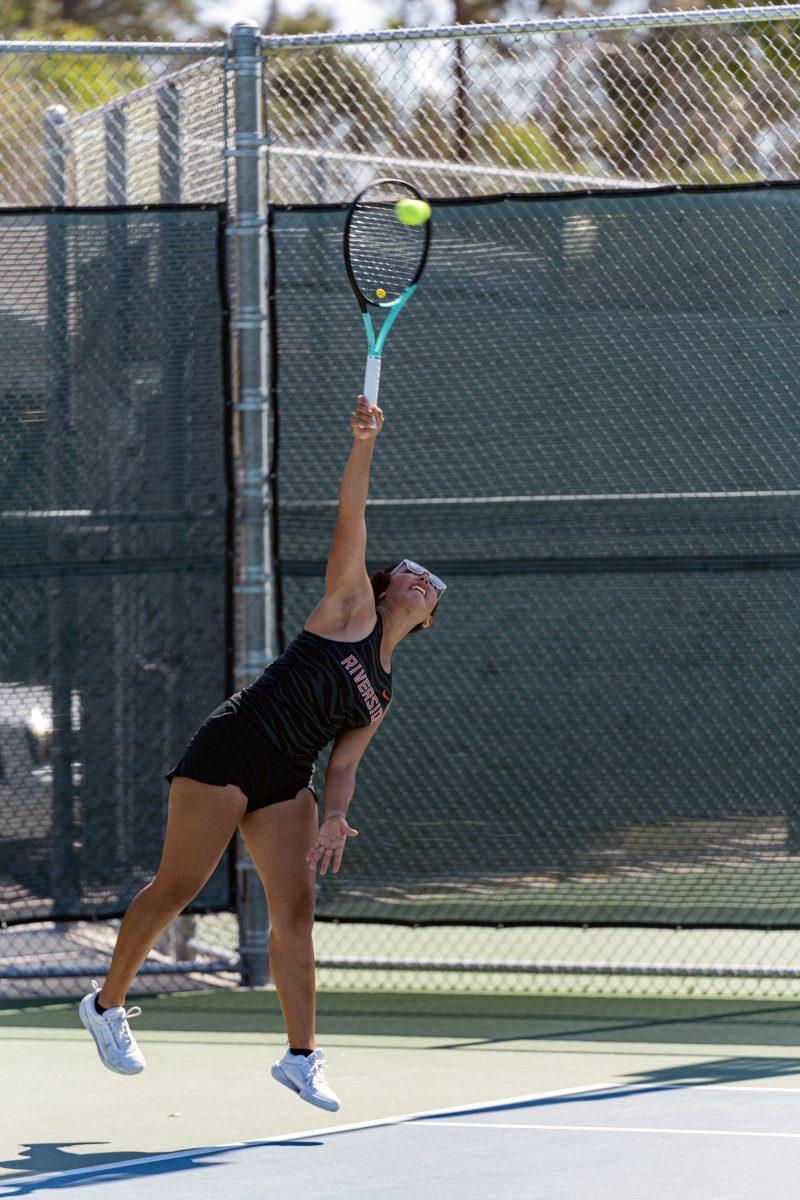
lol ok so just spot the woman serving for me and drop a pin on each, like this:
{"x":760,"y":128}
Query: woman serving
{"x":250,"y":765}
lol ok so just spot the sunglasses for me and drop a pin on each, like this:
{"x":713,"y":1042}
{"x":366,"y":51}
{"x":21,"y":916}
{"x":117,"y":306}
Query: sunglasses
{"x":434,"y":580}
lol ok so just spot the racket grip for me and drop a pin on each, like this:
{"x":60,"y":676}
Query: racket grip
{"x":372,"y":381}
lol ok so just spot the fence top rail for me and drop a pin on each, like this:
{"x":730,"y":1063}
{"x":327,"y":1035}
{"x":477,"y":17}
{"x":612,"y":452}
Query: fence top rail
{"x":750,"y":15}
{"x":743,"y":15}
{"x":129,"y":49}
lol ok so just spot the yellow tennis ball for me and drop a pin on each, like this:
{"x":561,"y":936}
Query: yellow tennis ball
{"x":380,"y":293}
{"x":412,"y":212}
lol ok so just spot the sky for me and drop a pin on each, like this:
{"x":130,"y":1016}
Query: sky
{"x":350,"y":15}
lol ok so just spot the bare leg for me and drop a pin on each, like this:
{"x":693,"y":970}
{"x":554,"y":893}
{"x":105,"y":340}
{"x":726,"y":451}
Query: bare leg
{"x":278,"y":839}
{"x":148,"y":915}
{"x":201,"y":821}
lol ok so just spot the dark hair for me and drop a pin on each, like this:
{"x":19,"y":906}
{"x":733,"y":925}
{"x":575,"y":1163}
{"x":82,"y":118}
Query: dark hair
{"x":380,"y":582}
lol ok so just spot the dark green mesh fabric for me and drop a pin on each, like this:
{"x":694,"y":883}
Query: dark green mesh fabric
{"x":113,"y":544}
{"x":592,"y":436}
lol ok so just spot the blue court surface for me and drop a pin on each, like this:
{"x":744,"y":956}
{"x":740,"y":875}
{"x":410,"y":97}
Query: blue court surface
{"x":649,"y":1142}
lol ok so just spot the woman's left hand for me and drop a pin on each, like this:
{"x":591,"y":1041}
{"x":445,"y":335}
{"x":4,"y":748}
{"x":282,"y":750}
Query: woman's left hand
{"x":330,"y":843}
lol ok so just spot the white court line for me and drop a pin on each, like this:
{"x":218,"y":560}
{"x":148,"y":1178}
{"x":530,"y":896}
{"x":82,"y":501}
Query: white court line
{"x":201,"y":1151}
{"x":604,"y":1129}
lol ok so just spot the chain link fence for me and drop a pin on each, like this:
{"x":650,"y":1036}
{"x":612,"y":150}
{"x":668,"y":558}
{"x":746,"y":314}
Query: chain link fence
{"x":542,"y":106}
{"x":550,"y":106}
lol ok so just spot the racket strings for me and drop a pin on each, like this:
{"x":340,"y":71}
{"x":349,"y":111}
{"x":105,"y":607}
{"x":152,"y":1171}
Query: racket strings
{"x":385,"y":254}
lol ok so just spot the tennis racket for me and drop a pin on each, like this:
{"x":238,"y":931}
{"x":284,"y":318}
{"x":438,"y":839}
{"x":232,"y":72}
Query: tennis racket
{"x":384,"y":259}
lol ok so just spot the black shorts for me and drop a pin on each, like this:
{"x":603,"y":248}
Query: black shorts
{"x":228,"y":748}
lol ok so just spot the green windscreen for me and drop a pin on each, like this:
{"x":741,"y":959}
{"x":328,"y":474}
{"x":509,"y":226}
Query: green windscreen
{"x":114,"y":545}
{"x":592,"y":435}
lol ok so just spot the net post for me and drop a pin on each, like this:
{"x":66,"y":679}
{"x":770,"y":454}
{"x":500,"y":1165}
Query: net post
{"x":254,"y":590}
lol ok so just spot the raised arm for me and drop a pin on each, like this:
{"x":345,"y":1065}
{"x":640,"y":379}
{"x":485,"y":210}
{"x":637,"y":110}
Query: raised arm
{"x":346,"y":576}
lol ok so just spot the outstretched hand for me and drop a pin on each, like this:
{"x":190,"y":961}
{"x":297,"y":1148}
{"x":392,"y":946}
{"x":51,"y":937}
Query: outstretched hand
{"x":361,"y":419}
{"x":330,"y":843}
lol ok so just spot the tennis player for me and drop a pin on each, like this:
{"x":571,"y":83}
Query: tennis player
{"x":251,"y":764}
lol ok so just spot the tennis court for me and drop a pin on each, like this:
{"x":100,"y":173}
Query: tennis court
{"x":471,"y":1095}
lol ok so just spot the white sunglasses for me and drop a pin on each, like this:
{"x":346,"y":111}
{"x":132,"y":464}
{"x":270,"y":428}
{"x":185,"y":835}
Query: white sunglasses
{"x":418,"y":570}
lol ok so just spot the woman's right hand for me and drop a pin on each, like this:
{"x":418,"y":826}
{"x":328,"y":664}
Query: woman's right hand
{"x":362,"y":418}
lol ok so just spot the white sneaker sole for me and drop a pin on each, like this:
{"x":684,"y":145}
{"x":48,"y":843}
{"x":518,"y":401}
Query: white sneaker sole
{"x":86,"y":1021}
{"x":279,"y":1074}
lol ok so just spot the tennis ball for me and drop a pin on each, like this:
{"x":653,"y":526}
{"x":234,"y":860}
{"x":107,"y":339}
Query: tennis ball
{"x":380,"y":293}
{"x":412,"y":212}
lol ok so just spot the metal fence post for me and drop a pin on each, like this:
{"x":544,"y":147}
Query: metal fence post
{"x":168,"y":125}
{"x":254,"y":590}
{"x":61,"y":664}
{"x":179,"y":936}
{"x":115,"y":127}
{"x":55,"y":155}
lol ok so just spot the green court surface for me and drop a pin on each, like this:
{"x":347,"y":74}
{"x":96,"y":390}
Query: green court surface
{"x":207,"y":1081}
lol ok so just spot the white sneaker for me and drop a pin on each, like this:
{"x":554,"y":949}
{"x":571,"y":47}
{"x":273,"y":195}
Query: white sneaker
{"x":305,"y":1077}
{"x":112,"y":1036}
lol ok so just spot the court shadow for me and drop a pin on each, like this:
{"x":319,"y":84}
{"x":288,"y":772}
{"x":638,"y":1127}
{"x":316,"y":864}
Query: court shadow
{"x":509,"y":1022}
{"x":740,"y":1069}
{"x":46,"y":1158}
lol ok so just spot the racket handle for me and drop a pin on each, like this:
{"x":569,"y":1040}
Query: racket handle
{"x":372,"y":382}
{"x":372,"y":379}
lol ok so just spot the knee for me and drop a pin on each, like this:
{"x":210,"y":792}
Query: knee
{"x":295,"y":920}
{"x":173,"y":893}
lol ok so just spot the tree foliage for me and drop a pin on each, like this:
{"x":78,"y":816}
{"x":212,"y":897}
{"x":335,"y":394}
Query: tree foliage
{"x":522,"y":144}
{"x":696,"y":105}
{"x":317,"y":97}
{"x":150,"y":19}
{"x":310,"y":20}
{"x":30,"y":83}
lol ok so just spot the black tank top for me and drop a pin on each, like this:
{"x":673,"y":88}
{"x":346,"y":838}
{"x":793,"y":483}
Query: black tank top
{"x":316,"y":688}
